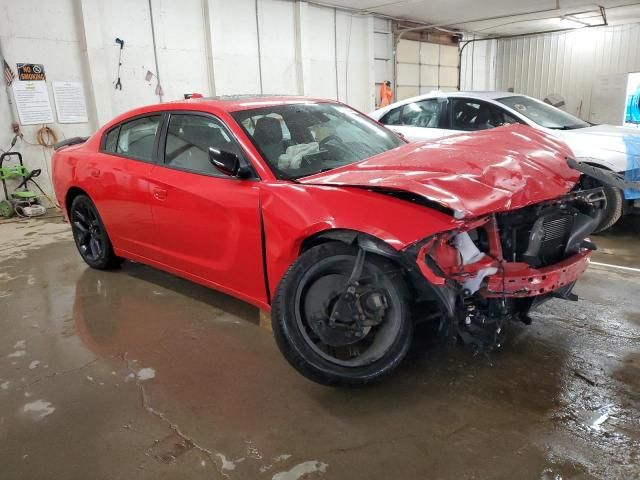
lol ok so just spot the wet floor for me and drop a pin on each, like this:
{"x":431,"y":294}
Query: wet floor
{"x":138,"y":374}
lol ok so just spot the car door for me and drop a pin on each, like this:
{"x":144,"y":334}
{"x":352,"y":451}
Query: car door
{"x":207,"y":224}
{"x":470,"y":114}
{"x":420,"y":120}
{"x":118,"y":182}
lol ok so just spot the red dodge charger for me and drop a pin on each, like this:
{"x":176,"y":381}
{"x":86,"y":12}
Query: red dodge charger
{"x":346,"y":233}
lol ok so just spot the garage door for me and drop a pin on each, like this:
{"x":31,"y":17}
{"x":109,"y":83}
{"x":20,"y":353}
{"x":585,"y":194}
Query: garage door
{"x":383,"y":52}
{"x":424,"y":66}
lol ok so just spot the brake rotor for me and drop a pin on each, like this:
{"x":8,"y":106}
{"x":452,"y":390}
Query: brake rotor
{"x":339,"y":316}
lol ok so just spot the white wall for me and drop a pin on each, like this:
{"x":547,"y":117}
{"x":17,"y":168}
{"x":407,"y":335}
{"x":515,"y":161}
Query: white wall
{"x":355,"y":59}
{"x":53,"y":37}
{"x":567,"y":63}
{"x":181,"y":45}
{"x":478,"y":64}
{"x":337,"y":56}
{"x":234,"y":43}
{"x":318,"y":51}
{"x":102,"y":23}
{"x":276,"y":21}
{"x":215,"y":47}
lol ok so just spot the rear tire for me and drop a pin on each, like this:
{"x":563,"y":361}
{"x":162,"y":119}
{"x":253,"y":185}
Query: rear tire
{"x":305,"y":295}
{"x":91,"y":236}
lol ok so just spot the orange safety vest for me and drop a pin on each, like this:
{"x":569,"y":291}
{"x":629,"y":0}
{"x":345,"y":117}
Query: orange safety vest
{"x":386,"y":95}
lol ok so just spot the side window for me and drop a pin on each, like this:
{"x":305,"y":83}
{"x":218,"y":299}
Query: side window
{"x":504,"y":118}
{"x":392,"y":117}
{"x":478,"y":115}
{"x":111,"y":140}
{"x":137,"y":137}
{"x":464,"y":114}
{"x":424,"y":114}
{"x":189,"y":138}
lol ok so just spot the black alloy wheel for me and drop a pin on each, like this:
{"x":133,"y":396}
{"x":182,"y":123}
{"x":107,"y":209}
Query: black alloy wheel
{"x":90,"y":235}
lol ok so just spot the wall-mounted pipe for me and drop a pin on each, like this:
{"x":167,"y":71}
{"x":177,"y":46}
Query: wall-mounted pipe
{"x":259,"y":50}
{"x":486,"y":19}
{"x":155,"y":51}
{"x":298,"y":38}
{"x":208,"y":49}
{"x":335,"y":51}
{"x":8,"y":89}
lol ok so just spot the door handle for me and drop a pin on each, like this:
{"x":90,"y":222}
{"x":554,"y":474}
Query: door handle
{"x":159,"y":193}
{"x":95,"y":172}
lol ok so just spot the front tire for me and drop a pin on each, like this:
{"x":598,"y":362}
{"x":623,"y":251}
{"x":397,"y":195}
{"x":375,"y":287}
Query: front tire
{"x":91,"y":236}
{"x":613,"y":204}
{"x":330,"y":355}
{"x":612,"y":209}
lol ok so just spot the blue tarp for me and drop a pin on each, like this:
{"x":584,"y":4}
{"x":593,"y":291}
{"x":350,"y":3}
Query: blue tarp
{"x":632,"y":144}
{"x":633,"y":107}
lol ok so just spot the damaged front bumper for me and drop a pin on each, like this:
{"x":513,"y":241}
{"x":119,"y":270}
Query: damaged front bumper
{"x":506,"y":279}
{"x":523,"y":253}
{"x":519,"y":280}
{"x":492,"y":270}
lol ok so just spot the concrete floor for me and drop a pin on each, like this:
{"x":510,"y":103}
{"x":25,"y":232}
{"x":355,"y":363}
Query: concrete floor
{"x":138,"y":374}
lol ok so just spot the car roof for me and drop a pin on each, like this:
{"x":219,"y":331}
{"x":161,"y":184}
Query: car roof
{"x":231,"y":103}
{"x":234,"y":103}
{"x":484,"y":95}
{"x":480,"y":95}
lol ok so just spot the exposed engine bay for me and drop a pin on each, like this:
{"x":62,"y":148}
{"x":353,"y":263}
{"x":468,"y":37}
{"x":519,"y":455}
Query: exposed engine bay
{"x":498,"y":267}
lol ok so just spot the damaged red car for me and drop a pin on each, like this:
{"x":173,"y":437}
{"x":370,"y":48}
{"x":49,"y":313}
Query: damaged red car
{"x":347,"y":234}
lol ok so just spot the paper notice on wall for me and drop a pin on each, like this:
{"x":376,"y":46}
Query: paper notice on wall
{"x":32,"y":102}
{"x":70,"y":104}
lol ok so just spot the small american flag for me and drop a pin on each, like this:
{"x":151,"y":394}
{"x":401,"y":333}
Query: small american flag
{"x":8,"y":73}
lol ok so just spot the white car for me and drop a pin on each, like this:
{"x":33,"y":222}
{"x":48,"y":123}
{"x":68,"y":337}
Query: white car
{"x":436,"y":115}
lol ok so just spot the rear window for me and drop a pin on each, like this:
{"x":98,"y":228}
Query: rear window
{"x":137,"y":137}
{"x":111,"y":140}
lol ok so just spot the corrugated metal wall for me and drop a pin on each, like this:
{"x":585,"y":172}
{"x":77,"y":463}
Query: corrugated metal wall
{"x":567,"y":63}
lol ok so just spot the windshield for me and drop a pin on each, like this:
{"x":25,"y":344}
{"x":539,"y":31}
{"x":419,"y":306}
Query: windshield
{"x":304,"y":139}
{"x":543,"y":114}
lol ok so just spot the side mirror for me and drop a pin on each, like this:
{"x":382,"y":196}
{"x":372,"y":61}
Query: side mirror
{"x":228,"y":163}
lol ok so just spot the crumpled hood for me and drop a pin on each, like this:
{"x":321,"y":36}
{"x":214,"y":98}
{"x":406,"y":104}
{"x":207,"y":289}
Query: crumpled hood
{"x":496,"y":170}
